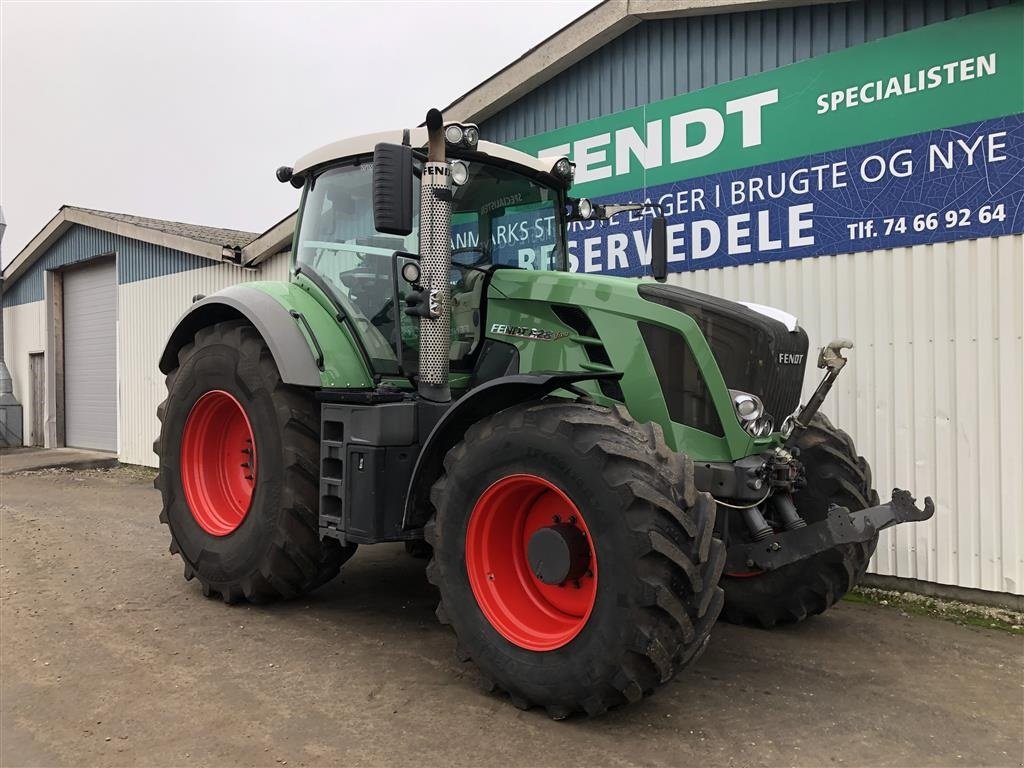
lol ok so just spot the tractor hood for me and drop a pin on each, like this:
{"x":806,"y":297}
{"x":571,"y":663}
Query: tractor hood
{"x":734,"y":347}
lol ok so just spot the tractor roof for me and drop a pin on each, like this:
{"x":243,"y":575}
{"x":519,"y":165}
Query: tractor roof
{"x":363,"y":145}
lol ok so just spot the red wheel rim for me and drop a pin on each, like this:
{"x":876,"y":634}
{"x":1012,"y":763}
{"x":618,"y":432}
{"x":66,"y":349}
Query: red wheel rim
{"x":218,"y":462}
{"x":523,"y":609}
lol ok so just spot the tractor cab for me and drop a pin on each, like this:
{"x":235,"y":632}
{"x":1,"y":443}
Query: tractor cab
{"x":508,"y":210}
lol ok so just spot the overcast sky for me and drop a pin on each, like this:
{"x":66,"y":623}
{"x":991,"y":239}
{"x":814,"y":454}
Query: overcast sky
{"x":183,"y":110}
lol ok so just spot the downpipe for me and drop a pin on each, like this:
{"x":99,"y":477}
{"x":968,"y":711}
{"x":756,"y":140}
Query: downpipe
{"x":10,"y":408}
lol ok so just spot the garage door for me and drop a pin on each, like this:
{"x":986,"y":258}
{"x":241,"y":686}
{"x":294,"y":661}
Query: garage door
{"x":90,"y":356}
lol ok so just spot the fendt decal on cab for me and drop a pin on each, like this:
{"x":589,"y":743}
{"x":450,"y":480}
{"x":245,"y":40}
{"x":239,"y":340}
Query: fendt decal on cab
{"x":526,"y":332}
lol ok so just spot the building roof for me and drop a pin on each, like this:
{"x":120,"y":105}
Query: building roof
{"x":272,"y":242}
{"x":214,"y":243}
{"x":577,"y":40}
{"x":232,"y":238}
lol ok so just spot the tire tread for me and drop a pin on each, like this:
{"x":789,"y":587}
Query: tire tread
{"x":812,"y":586}
{"x":671,"y":525}
{"x":297,"y":561}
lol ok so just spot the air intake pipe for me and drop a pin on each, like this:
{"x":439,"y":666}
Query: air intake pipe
{"x":435,"y":264}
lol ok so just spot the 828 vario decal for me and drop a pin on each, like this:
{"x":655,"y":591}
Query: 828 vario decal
{"x":526,"y":332}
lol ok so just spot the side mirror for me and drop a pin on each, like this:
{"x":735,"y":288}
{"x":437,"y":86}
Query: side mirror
{"x":659,"y":249}
{"x":392,"y":189}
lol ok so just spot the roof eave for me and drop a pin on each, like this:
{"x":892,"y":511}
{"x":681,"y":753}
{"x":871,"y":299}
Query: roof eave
{"x":46,"y":237}
{"x":276,"y":239}
{"x":578,"y":40}
{"x":68,"y":216}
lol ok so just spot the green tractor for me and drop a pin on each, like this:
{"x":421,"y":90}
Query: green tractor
{"x":598,"y":467}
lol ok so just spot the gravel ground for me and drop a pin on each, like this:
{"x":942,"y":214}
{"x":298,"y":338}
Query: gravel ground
{"x":108,"y":657}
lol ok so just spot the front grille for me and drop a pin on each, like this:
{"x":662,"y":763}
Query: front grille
{"x":682,"y":383}
{"x":749,"y":347}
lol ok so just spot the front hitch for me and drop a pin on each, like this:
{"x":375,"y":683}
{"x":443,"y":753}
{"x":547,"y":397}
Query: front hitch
{"x":841,"y":526}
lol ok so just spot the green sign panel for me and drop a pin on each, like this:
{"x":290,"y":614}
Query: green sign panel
{"x":949,"y":74}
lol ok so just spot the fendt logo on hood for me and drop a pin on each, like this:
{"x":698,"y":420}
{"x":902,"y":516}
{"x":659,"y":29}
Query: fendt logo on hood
{"x":790,"y":358}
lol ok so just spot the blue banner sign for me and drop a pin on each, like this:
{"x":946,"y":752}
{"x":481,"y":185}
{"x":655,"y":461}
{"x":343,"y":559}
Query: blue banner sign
{"x":950,"y":184}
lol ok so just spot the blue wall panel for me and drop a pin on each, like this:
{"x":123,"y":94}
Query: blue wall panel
{"x":660,"y":59}
{"x":136,"y":260}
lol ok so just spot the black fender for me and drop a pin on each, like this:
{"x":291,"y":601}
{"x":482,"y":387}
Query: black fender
{"x":291,"y":351}
{"x":489,"y":398}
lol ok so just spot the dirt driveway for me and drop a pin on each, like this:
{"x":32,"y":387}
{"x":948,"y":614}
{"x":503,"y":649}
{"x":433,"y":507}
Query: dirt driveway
{"x":107,"y":657}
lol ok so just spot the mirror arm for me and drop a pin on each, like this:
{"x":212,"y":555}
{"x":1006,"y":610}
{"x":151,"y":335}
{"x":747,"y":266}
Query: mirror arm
{"x":612,"y":209}
{"x":606,"y":211}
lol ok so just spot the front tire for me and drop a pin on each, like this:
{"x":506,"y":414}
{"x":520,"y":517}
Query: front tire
{"x":642,"y":594}
{"x":835,"y":475}
{"x":238,"y":472}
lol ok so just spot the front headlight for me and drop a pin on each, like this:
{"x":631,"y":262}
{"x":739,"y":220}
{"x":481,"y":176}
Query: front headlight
{"x":748,"y":407}
{"x":750,"y":411}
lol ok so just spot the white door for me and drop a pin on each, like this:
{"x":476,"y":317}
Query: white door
{"x":90,"y":356}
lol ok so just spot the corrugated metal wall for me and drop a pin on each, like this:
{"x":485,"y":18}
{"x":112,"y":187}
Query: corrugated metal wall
{"x":148,"y":311}
{"x":136,"y":260}
{"x":933,"y":392}
{"x":660,"y":59}
{"x":156,"y":285}
{"x":24,"y":334}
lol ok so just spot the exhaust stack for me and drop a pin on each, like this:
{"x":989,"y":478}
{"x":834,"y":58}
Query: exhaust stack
{"x":435,"y":264}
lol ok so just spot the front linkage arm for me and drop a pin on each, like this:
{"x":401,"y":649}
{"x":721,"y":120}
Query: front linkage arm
{"x":830,"y":357}
{"x":841,"y":526}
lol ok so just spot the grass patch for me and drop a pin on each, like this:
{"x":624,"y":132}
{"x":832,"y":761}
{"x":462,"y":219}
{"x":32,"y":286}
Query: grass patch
{"x":965,"y":614}
{"x":130,"y":472}
{"x":118,"y":472}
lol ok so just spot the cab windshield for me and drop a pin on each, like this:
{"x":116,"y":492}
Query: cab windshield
{"x":500,"y":218}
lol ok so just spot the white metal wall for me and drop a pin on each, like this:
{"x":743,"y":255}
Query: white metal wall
{"x":149,"y":310}
{"x":933,"y":394}
{"x":24,"y":334}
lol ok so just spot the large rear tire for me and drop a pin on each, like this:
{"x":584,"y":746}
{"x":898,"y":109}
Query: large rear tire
{"x":238,"y":471}
{"x":835,"y":475}
{"x":643,"y":593}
